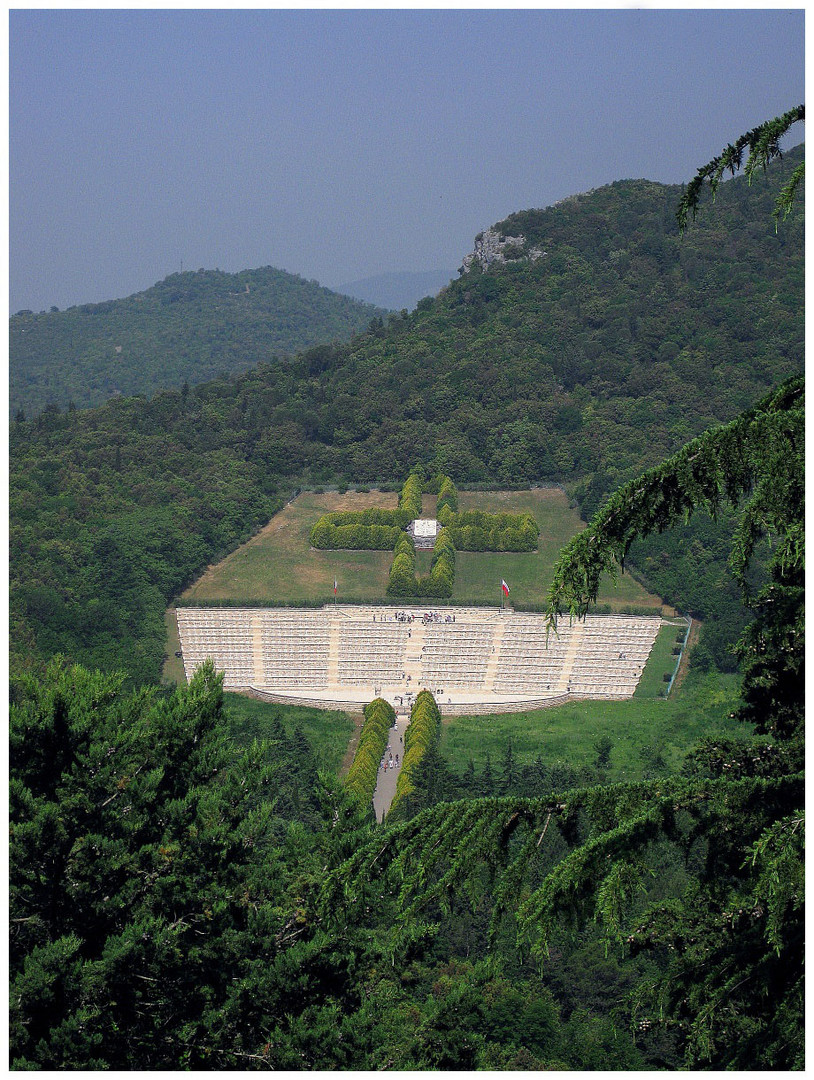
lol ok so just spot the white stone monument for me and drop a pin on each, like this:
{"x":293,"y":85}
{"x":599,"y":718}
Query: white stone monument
{"x":425,"y":527}
{"x":424,"y":531}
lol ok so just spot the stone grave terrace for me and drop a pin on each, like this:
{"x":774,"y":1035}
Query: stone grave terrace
{"x":474,"y":660}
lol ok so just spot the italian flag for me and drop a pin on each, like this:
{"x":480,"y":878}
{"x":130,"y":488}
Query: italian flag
{"x":334,"y":586}
{"x":504,"y":587}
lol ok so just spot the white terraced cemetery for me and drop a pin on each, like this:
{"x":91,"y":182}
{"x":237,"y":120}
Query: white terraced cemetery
{"x":474,"y":660}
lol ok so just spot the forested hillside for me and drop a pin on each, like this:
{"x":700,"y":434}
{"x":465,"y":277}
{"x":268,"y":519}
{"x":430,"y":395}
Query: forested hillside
{"x":184,"y":895}
{"x":187,"y":328}
{"x":581,"y":367}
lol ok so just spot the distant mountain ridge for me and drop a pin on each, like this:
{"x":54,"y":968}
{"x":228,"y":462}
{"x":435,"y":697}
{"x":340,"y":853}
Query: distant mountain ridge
{"x":398,"y":290}
{"x":190,"y":327}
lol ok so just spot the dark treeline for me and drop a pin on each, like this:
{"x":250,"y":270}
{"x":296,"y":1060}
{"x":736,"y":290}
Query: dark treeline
{"x":581,"y":367}
{"x":168,"y":871}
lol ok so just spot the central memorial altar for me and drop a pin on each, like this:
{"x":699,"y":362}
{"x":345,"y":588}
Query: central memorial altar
{"x":423,"y":532}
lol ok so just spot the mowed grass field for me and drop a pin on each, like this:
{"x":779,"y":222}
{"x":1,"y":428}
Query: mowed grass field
{"x":660,"y":662}
{"x":278,"y":565}
{"x":567,"y":733}
{"x":528,"y":575}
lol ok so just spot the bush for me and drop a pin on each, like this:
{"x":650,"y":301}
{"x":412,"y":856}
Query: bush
{"x":475,"y":530}
{"x":321,"y":534}
{"x":447,"y":497}
{"x":405,"y":545}
{"x":410,"y":497}
{"x":423,"y":733}
{"x":328,"y":535}
{"x":402,"y":580}
{"x":364,"y":770}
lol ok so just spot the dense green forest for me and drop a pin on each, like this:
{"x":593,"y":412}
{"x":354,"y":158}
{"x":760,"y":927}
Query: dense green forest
{"x":185,"y":895}
{"x":582,"y":367}
{"x":190,"y":327}
{"x":170,"y":874}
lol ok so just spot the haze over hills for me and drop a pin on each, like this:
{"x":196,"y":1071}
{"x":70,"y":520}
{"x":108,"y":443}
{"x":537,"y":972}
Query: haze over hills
{"x":398,"y":290}
{"x":581,"y":367}
{"x":187,"y":328}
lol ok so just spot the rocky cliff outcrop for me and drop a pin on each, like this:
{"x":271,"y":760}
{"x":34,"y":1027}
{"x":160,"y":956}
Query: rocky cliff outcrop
{"x":492,"y":247}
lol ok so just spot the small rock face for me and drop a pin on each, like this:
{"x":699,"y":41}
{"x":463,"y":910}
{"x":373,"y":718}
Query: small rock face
{"x":491,"y":247}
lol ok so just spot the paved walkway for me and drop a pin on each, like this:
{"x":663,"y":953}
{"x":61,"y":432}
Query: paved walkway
{"x":388,"y":778}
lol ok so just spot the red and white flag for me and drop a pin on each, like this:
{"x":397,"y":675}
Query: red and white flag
{"x":334,"y":586}
{"x":504,"y":587}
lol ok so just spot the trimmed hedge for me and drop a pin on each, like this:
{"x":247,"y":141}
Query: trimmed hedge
{"x":442,"y":569}
{"x":410,"y":497}
{"x":377,"y":530}
{"x":402,"y":580}
{"x":423,"y":733}
{"x":475,"y":530}
{"x":364,"y":529}
{"x":447,"y":497}
{"x":359,"y":537}
{"x":441,"y":578}
{"x":374,"y":515}
{"x":364,"y":770}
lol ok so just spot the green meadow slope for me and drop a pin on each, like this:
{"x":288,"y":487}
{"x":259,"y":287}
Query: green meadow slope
{"x":278,"y":566}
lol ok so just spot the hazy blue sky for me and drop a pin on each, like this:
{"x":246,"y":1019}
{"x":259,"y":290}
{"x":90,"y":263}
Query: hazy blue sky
{"x":343,"y":144}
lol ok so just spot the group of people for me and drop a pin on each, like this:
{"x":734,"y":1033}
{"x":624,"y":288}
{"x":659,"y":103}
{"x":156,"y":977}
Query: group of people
{"x":390,"y":762}
{"x":400,"y":616}
{"x":427,"y":617}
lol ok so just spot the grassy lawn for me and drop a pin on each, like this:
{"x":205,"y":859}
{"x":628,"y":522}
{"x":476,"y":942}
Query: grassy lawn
{"x":279,"y":565}
{"x":567,"y":733}
{"x":478,"y":574}
{"x":328,"y":732}
{"x":660,"y":661}
{"x":173,"y":670}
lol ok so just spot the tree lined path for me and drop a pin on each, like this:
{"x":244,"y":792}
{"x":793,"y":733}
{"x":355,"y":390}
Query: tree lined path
{"x":388,"y":778}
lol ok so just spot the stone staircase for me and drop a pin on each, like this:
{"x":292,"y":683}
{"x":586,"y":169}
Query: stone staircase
{"x":494,"y":659}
